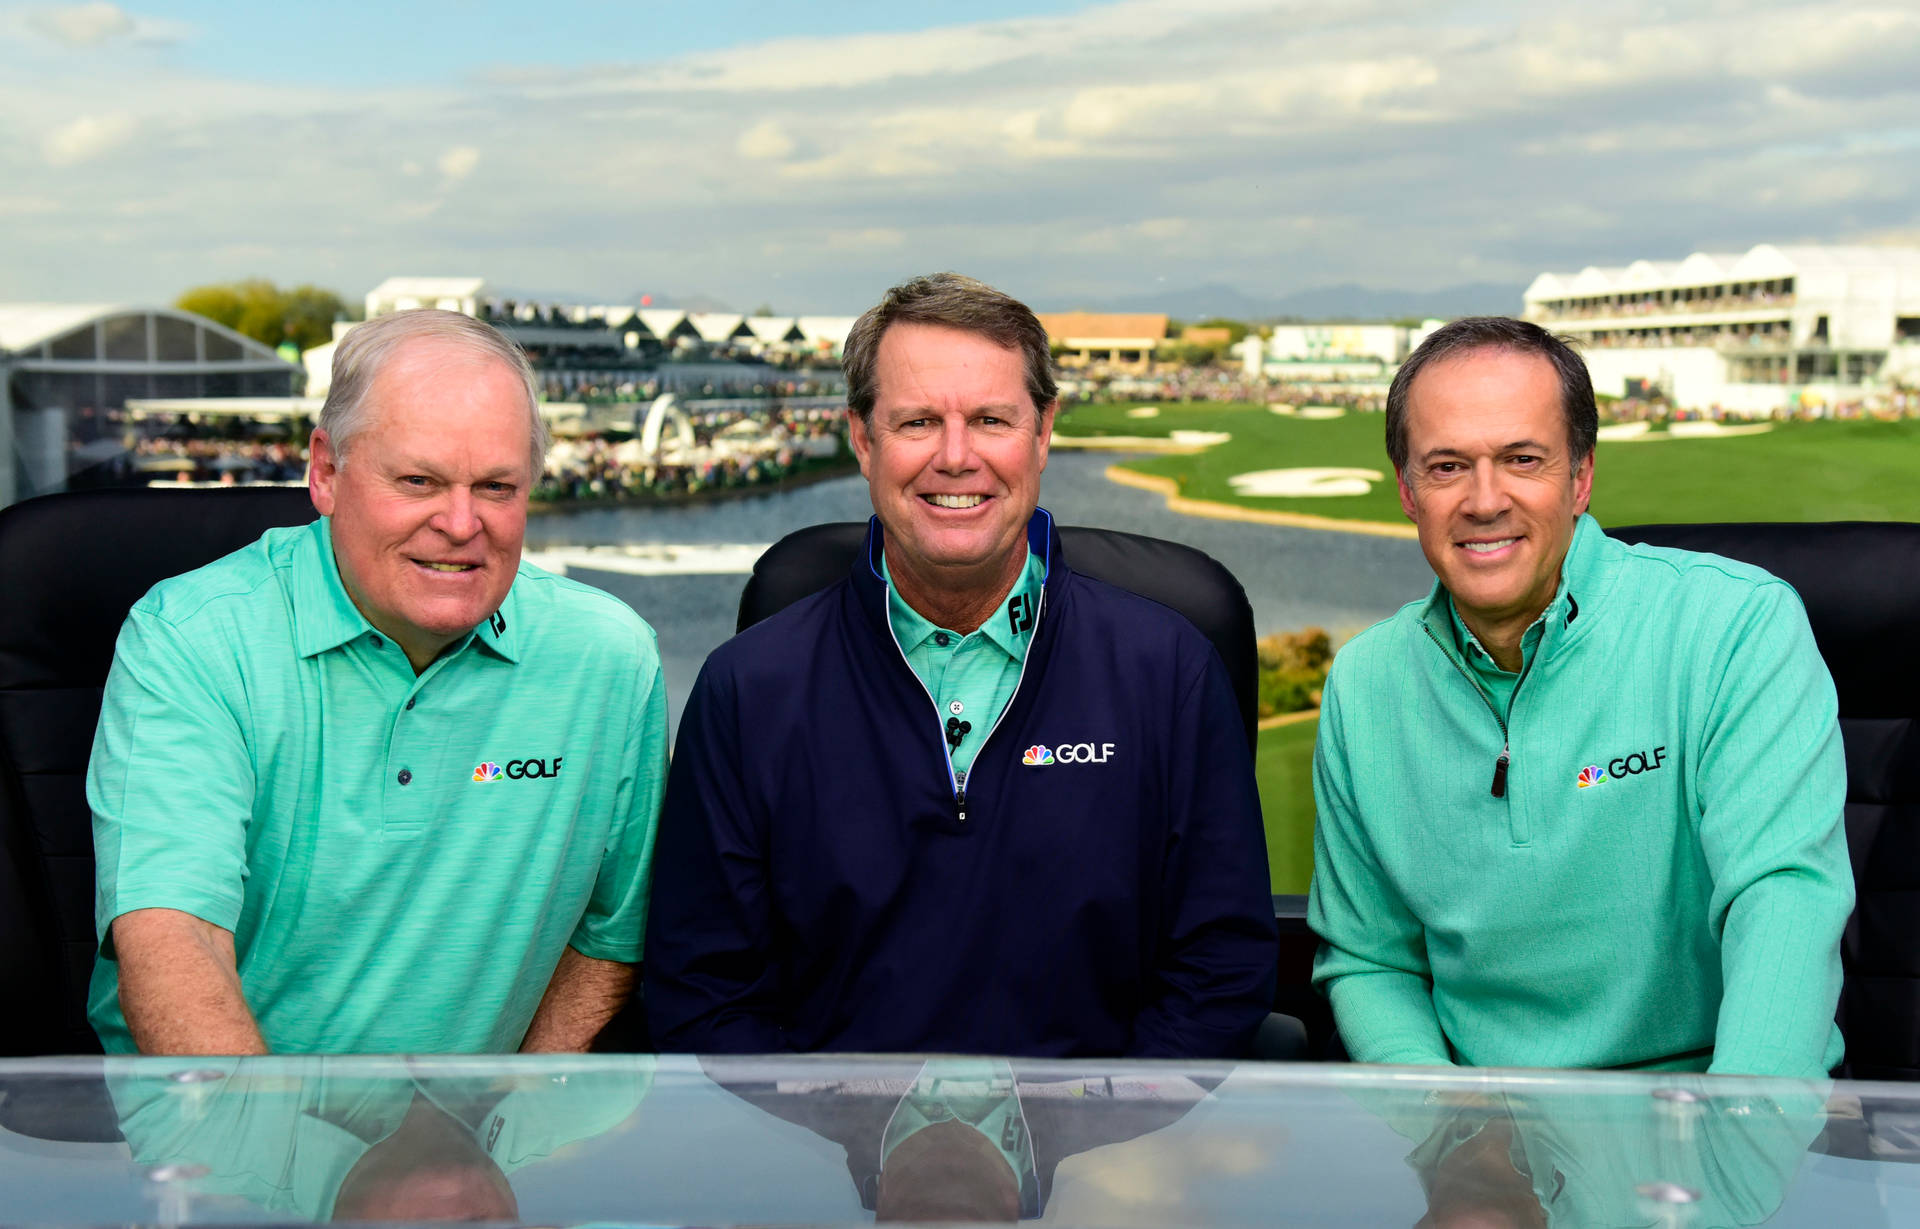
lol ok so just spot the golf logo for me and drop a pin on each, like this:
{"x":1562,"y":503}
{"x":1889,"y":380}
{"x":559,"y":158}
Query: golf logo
{"x":1591,"y":775}
{"x":516,"y":770}
{"x":488,"y":771}
{"x":1068,"y":753}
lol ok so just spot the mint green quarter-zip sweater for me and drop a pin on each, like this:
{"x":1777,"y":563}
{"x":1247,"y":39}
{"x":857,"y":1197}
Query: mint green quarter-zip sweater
{"x":1659,"y":876}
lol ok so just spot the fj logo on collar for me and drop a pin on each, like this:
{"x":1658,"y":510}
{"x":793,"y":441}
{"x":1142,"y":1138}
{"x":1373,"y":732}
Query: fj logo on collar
{"x":516,"y":770}
{"x":1020,"y":613}
{"x":498,"y":622}
{"x":1068,"y":753}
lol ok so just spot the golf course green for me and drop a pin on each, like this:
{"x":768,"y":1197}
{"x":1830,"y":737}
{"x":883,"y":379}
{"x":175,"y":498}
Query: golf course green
{"x":1797,"y":471}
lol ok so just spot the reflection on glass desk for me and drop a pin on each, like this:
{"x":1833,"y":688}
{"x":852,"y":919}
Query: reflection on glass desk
{"x":839,"y":1140}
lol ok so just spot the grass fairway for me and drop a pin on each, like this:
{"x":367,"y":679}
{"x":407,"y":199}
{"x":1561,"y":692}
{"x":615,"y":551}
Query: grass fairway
{"x":1284,"y":767}
{"x":1799,"y":471}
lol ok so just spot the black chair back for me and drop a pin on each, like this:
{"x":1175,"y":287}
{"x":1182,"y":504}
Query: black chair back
{"x":1190,"y":581}
{"x":70,"y":567}
{"x":1860,"y":582}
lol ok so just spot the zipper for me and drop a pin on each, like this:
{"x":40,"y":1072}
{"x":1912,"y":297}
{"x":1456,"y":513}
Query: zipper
{"x":1506,"y":756}
{"x":1506,"y":743}
{"x":957,"y":776}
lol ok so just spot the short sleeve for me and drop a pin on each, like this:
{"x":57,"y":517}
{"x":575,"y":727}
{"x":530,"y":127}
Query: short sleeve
{"x":170,"y":783}
{"x":614,"y":924}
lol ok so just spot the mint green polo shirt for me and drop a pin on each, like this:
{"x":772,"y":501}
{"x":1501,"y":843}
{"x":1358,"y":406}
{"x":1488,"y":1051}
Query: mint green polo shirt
{"x":401,"y":859}
{"x":971,"y":677}
{"x":1497,"y":684}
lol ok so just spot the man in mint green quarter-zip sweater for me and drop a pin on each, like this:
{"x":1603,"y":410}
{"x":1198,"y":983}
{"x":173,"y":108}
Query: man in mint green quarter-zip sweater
{"x":1581,"y":806}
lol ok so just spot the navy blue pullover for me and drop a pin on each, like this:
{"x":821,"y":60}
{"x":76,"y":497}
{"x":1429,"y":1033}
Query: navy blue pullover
{"x":820,"y":884}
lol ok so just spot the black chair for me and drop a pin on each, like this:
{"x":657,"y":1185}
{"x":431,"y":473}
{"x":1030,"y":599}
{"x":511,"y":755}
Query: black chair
{"x":70,"y":567}
{"x":1187,"y":580}
{"x":1190,"y":581}
{"x":1860,"y":582}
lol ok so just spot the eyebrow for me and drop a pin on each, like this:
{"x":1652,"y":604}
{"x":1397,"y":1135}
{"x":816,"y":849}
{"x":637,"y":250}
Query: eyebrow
{"x":1535,"y":446}
{"x":921,"y":411}
{"x":415,"y":465}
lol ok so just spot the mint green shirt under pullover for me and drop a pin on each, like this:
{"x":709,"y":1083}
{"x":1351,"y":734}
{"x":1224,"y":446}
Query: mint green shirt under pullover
{"x":1662,"y":881}
{"x":401,"y":858}
{"x":970,"y":678}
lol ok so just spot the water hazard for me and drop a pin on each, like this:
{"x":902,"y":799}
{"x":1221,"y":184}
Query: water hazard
{"x":1293,"y":577}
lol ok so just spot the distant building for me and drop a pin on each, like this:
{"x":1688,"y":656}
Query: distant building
{"x":1333,"y":350}
{"x":69,"y":369}
{"x":1216,"y":335}
{"x":401,"y":294}
{"x":1768,"y":330}
{"x":1109,"y":339}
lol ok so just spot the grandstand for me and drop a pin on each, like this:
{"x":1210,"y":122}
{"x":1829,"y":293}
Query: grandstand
{"x":69,"y":369}
{"x":1776,"y":329}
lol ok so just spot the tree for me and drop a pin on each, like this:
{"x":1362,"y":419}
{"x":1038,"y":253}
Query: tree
{"x":258,"y":309}
{"x":1236,"y":330}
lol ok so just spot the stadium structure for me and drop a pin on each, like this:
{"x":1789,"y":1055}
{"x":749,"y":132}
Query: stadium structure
{"x":1777,"y":329}
{"x":69,"y":369}
{"x":576,"y":346}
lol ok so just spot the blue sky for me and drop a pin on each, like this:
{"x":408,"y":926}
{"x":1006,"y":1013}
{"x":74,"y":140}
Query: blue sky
{"x":807,"y":156}
{"x":357,"y":42}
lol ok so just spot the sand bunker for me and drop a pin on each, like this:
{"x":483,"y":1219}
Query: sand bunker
{"x":1643,"y":432}
{"x":1305,"y":483}
{"x":1145,"y":411}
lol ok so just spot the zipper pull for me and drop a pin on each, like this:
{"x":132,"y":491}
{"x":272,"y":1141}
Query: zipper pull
{"x":1500,"y":774}
{"x":960,"y":805}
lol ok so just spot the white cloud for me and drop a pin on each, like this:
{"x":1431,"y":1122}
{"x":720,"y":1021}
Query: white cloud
{"x":86,"y":138}
{"x":459,"y":162}
{"x":765,"y":140}
{"x":1268,"y":144}
{"x":871,"y":238}
{"x":82,"y":25}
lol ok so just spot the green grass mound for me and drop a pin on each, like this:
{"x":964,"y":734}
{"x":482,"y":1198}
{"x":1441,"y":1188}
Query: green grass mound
{"x":1799,"y":471}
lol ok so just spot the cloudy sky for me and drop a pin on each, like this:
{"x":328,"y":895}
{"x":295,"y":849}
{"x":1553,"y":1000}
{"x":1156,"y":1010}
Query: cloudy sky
{"x":807,"y":155}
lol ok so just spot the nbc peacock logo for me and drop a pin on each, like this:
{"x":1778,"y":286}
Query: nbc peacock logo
{"x":1037,"y":755}
{"x":1590,"y":775}
{"x":488,"y":771}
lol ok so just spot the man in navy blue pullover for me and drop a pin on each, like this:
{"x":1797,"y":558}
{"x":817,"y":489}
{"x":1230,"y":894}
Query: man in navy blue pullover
{"x":964,"y":800}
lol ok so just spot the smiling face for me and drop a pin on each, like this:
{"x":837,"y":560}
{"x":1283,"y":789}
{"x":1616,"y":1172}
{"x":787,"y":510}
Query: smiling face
{"x":952,"y":455}
{"x":429,"y":508}
{"x":1490,"y":483}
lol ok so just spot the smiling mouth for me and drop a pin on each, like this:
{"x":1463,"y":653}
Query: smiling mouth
{"x":955,"y":501}
{"x":1487,"y":548}
{"x":446,"y":567}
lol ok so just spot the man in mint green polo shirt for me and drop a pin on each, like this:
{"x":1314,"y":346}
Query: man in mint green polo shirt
{"x":1581,"y":806}
{"x":374,"y":784}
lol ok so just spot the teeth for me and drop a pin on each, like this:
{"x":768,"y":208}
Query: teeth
{"x":956,"y":501}
{"x":1486,"y":548}
{"x":451,"y":567}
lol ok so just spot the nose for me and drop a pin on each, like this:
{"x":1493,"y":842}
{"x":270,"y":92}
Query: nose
{"x":956,"y":446}
{"x":1486,"y":497}
{"x":457,"y":517}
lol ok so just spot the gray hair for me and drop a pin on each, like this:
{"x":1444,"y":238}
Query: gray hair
{"x":361,"y":355}
{"x":952,"y":301}
{"x":1499,"y":333}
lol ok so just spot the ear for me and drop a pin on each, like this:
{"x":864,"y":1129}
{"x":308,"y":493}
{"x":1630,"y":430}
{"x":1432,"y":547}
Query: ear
{"x":1408,"y":504}
{"x":1045,"y":427}
{"x":862,"y":442}
{"x":323,"y":470}
{"x":1583,"y":484}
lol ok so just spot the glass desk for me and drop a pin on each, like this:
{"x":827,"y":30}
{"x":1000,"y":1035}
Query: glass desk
{"x":672,"y":1141}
